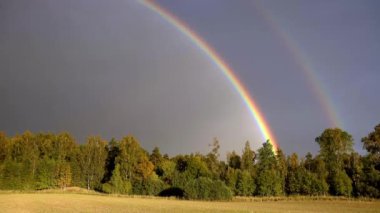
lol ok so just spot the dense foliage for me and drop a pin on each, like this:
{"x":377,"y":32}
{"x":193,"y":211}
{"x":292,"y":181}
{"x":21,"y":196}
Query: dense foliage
{"x":44,"y":160}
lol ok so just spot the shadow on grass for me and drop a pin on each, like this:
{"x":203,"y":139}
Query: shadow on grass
{"x":172,"y":192}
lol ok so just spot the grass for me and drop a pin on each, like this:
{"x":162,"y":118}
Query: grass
{"x":53,"y":201}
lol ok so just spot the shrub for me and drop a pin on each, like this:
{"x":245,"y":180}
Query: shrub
{"x":151,"y":186}
{"x":206,"y":189}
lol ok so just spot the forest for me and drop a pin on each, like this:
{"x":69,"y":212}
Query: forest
{"x":38,"y":161}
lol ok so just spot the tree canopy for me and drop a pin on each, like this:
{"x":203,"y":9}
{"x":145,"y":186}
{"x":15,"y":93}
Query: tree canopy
{"x":36,"y":161}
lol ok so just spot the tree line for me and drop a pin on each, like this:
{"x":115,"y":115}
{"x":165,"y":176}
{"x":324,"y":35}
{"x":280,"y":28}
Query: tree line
{"x":37,"y":161}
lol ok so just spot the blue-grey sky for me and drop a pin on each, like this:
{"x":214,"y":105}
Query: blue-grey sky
{"x":113,"y":68}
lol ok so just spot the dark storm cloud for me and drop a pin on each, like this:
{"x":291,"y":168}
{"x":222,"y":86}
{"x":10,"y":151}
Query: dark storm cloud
{"x":340,"y":38}
{"x":114,"y":68}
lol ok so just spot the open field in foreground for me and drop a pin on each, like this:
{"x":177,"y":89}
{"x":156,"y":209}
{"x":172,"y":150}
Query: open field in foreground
{"x":66,"y":202}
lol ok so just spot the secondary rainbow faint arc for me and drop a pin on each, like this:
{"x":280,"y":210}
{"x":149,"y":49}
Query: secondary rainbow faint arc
{"x":222,"y":65}
{"x":301,"y":61}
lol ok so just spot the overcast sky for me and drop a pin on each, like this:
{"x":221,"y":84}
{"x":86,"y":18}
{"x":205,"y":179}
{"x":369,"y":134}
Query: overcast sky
{"x":114,"y":68}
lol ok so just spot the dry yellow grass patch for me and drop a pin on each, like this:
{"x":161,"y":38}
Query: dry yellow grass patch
{"x":68,"y":202}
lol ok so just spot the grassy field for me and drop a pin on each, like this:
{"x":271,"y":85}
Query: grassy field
{"x":73,"y":202}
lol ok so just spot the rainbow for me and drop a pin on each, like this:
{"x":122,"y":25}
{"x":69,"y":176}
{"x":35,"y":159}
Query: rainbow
{"x":303,"y":63}
{"x":221,"y":64}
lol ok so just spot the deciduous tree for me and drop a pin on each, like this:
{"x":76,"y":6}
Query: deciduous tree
{"x":334,"y":145}
{"x":93,"y":156}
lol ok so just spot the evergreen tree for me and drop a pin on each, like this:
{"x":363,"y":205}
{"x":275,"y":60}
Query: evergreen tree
{"x":293,"y":181}
{"x":156,"y":157}
{"x":282,"y":168}
{"x":247,"y":158}
{"x":245,"y":185}
{"x":230,"y":178}
{"x":268,"y":181}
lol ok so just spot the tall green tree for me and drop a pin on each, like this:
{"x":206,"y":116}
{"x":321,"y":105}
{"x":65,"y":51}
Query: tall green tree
{"x":230,"y":177}
{"x":64,"y":146}
{"x":312,"y":177}
{"x":189,"y":167}
{"x":353,"y":166}
{"x":282,"y":168}
{"x":370,"y":180}
{"x":372,"y":144}
{"x":335,"y":144}
{"x":93,"y":156}
{"x":168,"y":171}
{"x":245,"y":185}
{"x":45,"y":178}
{"x":135,"y":166}
{"x":248,"y":157}
{"x":319,"y":168}
{"x":212,"y":160}
{"x":117,"y":184}
{"x":268,"y":180}
{"x":156,"y":157}
{"x":293,"y":182}
{"x":25,"y":154}
{"x":133,"y":160}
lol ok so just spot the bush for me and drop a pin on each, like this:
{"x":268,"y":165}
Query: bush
{"x":107,"y":188}
{"x":123,"y":187}
{"x":151,"y":186}
{"x":206,"y":189}
{"x":15,"y":176}
{"x":220,"y":191}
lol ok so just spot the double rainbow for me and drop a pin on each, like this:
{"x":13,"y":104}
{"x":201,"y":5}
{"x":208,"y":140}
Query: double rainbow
{"x":302,"y":62}
{"x":221,"y":64}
